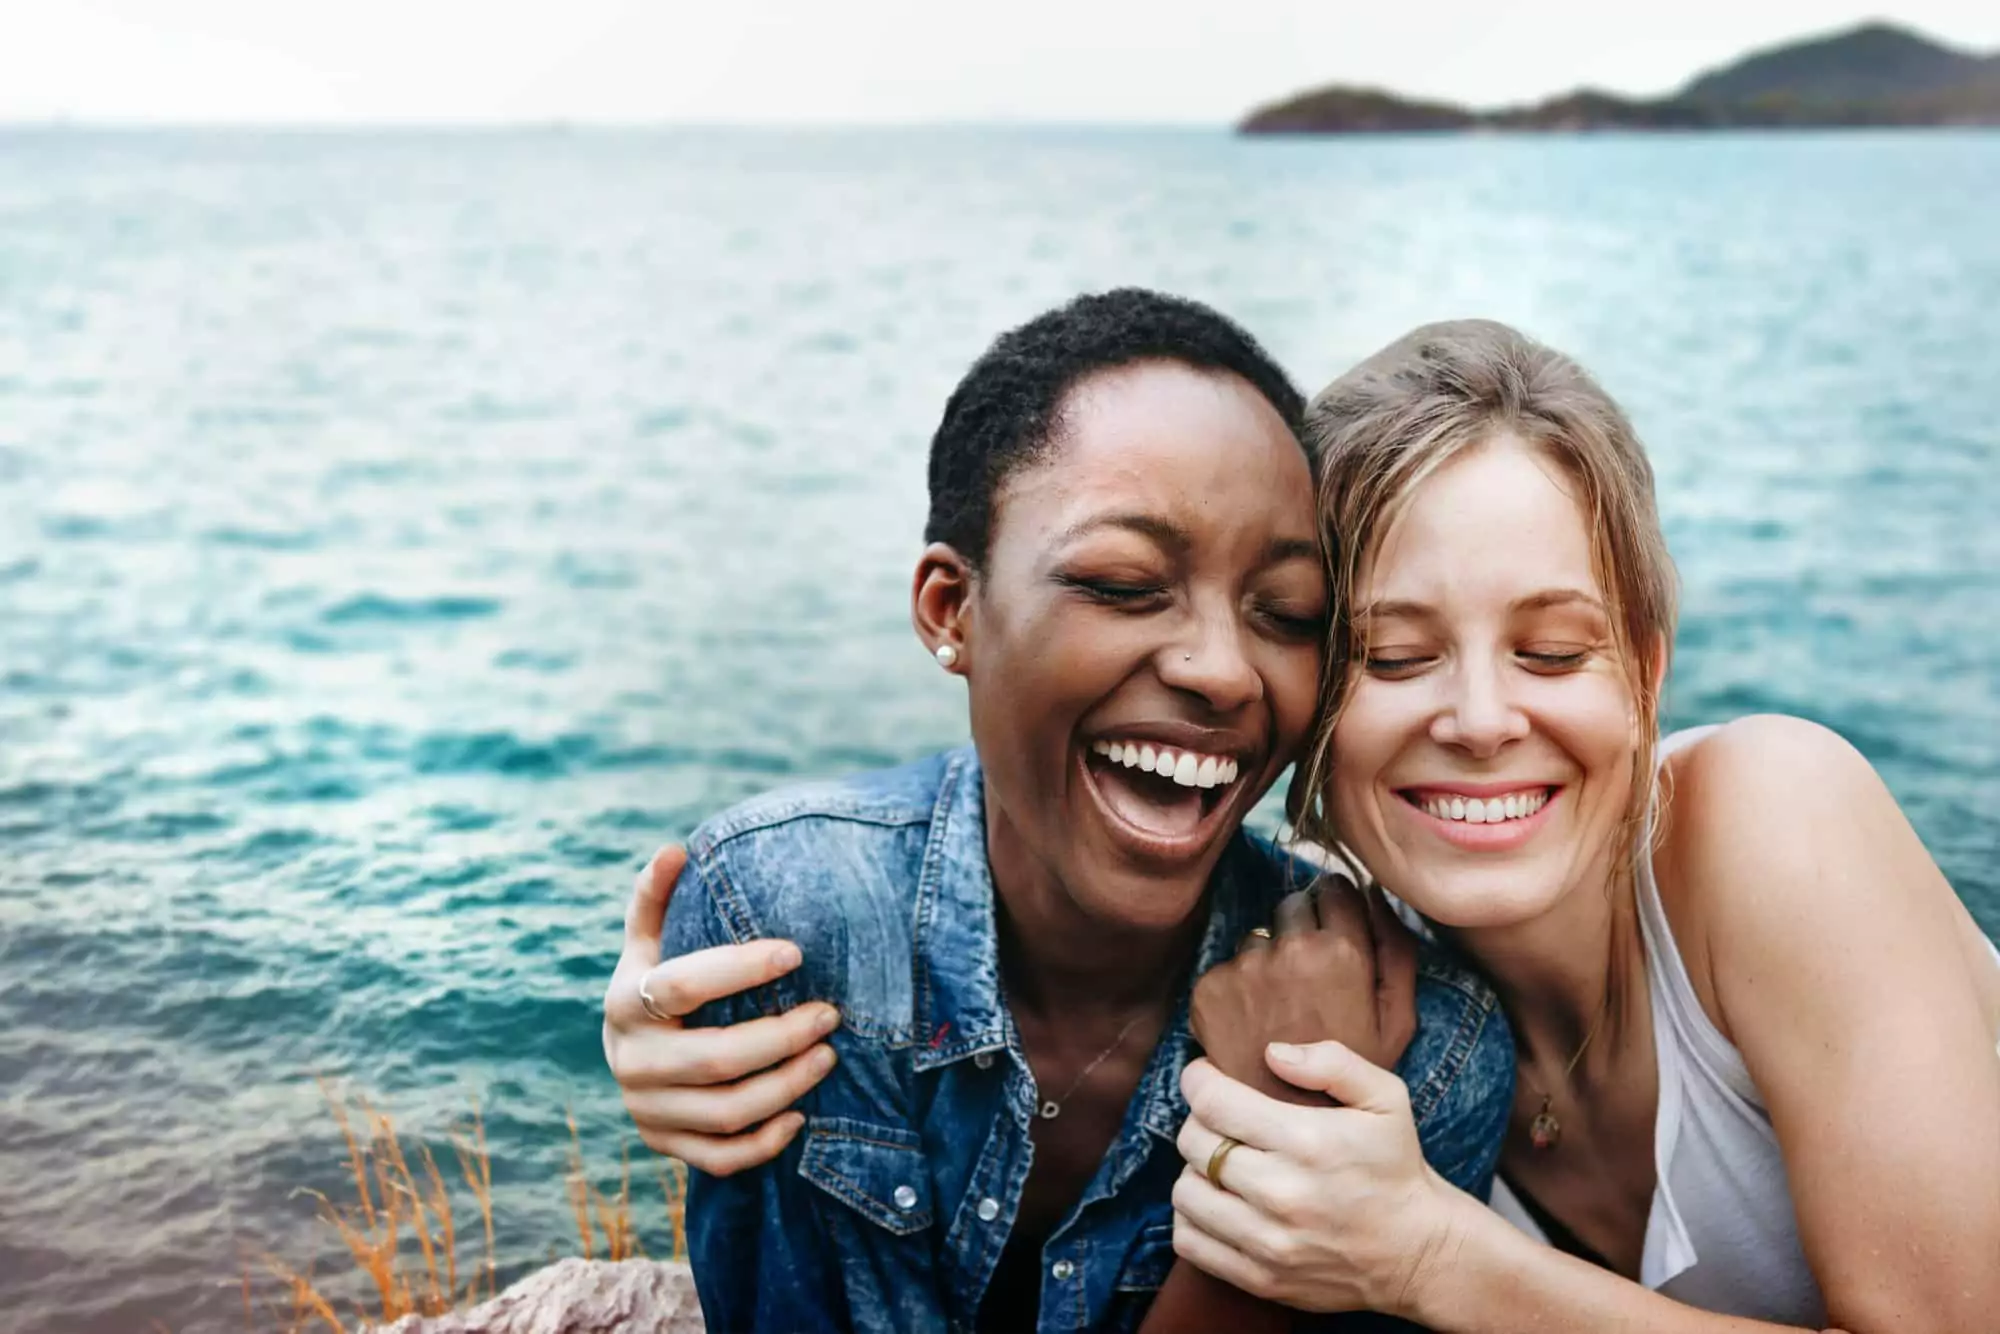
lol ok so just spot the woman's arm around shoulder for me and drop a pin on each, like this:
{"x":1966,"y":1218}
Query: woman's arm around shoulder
{"x":1836,"y":958}
{"x":759,"y":1258}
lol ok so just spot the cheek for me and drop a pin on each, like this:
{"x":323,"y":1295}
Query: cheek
{"x":1590,"y":717}
{"x":1293,"y":682}
{"x":1366,"y":739}
{"x":1376,"y":724}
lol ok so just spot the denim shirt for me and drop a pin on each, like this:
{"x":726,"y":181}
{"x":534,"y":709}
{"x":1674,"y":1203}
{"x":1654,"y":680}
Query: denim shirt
{"x":890,"y":1209}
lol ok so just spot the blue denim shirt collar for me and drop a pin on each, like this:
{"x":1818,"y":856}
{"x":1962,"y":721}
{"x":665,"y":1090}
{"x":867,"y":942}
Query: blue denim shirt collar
{"x":959,"y":1009}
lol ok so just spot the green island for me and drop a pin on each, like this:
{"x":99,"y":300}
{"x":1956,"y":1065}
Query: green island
{"x":1876,"y":74}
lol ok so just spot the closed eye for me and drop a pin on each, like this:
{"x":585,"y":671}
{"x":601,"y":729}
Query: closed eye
{"x":1394,"y":667}
{"x":1114,"y":593}
{"x":1293,"y":623}
{"x":1554,"y":662}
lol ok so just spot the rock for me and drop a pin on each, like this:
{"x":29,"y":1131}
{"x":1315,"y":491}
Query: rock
{"x":578,"y":1297}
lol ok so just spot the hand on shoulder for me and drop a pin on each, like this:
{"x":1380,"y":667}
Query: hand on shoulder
{"x":717,"y":1098}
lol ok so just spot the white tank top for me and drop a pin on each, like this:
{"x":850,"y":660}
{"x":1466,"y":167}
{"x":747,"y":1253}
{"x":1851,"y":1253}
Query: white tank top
{"x":1721,"y":1235}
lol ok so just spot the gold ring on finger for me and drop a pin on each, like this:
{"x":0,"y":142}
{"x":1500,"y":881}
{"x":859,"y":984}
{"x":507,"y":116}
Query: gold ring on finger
{"x":1261,"y":932}
{"x":651,"y":1006}
{"x":1217,"y":1158}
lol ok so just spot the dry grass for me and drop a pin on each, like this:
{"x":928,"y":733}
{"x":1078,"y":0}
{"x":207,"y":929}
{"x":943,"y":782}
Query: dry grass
{"x":401,"y":1230}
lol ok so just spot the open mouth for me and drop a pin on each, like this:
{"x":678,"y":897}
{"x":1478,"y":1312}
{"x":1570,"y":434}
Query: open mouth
{"x":1167,"y":800}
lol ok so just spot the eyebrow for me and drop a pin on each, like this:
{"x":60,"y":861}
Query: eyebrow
{"x":1174,"y":539}
{"x":1390,"y":608}
{"x":1161,"y":532}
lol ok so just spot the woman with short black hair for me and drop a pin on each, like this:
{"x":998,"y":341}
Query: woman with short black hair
{"x":1122,"y":567}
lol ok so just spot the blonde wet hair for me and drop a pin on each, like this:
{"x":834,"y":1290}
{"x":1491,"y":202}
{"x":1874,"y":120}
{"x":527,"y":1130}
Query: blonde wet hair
{"x":1380,"y":430}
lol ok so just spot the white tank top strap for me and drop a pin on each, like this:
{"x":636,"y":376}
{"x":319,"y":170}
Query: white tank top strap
{"x":1667,"y":975}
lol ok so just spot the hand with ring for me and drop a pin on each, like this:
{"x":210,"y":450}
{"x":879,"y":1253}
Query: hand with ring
{"x":716,"y":1098}
{"x":1338,"y":965}
{"x":1320,"y":1209}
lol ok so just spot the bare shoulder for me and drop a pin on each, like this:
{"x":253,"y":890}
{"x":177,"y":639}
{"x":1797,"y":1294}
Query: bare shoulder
{"x":1783,"y":853}
{"x":1776,"y":833}
{"x":1766,"y":794}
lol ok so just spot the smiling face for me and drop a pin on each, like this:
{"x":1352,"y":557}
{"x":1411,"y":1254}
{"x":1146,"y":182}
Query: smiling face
{"x":1142,"y":644}
{"x":1483,"y":759}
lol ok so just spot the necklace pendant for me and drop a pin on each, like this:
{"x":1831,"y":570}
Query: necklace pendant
{"x":1545,"y":1132}
{"x":1050,"y":1110}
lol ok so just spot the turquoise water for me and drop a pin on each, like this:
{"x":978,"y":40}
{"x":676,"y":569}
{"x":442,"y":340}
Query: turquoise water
{"x":400,"y":535}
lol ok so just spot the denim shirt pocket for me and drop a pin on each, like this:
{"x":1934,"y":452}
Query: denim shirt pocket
{"x":1147,"y":1263}
{"x":1144,"y":1269}
{"x":877,"y":1171}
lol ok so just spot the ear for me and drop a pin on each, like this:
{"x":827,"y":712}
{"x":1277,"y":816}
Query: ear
{"x":940,"y":599}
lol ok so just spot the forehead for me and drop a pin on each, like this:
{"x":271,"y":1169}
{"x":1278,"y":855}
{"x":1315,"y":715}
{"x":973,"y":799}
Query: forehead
{"x":1497,"y":516}
{"x":1202,"y":446}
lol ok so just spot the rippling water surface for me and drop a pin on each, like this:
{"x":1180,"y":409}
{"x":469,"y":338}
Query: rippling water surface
{"x":401,"y":535}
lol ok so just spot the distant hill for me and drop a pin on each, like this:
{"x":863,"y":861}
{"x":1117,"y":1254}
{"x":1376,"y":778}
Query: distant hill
{"x":1875,"y":62}
{"x":1360,"y":109}
{"x":1876,"y":74}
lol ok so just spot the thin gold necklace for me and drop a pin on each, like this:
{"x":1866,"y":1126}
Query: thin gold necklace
{"x":1051,"y":1108}
{"x":1545,"y":1131}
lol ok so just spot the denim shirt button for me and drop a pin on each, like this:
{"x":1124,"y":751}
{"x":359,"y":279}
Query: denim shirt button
{"x":989,"y":1209}
{"x":905,"y":1198}
{"x":984,"y":1060}
{"x":1061,"y":1270}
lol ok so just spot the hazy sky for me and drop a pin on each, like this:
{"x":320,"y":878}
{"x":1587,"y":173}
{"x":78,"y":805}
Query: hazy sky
{"x":858,"y":60}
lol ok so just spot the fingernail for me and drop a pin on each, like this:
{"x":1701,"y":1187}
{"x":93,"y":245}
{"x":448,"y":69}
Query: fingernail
{"x":822,"y":1060}
{"x":829,"y":1019}
{"x":785,"y":956}
{"x":1285,"y":1052}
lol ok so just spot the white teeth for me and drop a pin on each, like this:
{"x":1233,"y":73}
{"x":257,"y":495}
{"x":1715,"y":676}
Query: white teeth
{"x":1184,"y":767}
{"x":1488,"y":810}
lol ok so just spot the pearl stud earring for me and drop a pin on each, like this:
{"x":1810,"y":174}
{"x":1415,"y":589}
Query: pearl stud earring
{"x":947,"y":656}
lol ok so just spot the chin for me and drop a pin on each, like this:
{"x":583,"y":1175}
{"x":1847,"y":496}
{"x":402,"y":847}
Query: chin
{"x":1123,"y":897}
{"x":1477,"y":901}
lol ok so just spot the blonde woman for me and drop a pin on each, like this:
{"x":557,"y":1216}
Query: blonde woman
{"x":1756,"y":1030}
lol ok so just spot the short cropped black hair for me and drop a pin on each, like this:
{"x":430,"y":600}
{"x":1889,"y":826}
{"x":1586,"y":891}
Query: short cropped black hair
{"x":1005,"y":412}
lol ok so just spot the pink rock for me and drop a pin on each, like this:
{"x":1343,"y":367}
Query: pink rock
{"x":579,"y":1297}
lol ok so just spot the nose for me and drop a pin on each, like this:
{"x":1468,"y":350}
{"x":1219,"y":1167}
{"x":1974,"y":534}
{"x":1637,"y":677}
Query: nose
{"x":1211,"y":661}
{"x":1479,"y":715}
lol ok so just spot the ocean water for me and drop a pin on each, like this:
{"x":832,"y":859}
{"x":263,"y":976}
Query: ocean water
{"x":402,"y":534}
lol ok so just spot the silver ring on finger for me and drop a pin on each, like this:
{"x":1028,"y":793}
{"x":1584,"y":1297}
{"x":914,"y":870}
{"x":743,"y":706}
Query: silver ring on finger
{"x":651,"y":1006}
